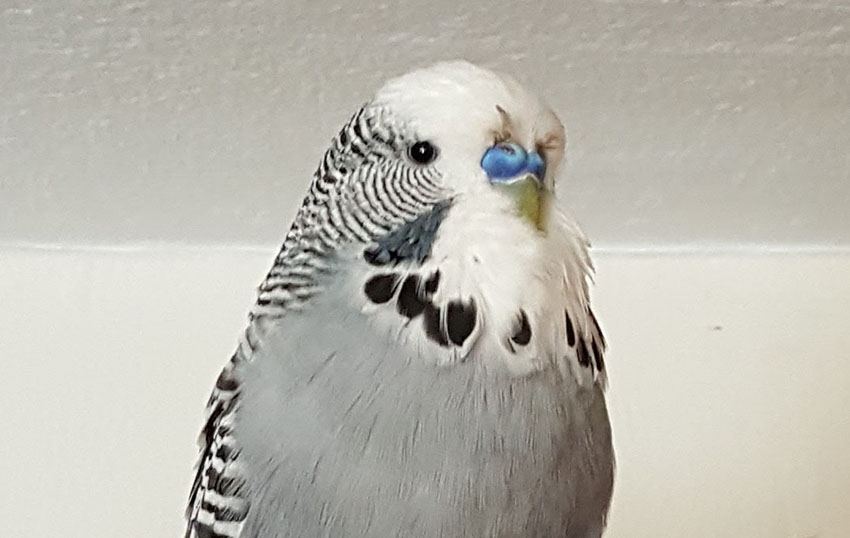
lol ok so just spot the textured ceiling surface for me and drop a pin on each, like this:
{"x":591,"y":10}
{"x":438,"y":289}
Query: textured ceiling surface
{"x":693,"y":123}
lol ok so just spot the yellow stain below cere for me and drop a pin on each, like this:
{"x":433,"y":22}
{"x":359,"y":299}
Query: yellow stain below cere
{"x":532,"y":200}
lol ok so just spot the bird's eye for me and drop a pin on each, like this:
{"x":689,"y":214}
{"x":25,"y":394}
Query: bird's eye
{"x":422,"y":152}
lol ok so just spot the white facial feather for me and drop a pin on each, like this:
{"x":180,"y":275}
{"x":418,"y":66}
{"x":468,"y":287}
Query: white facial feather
{"x":484,"y":250}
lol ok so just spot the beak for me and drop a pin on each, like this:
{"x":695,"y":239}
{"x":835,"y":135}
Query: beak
{"x":521,"y":174}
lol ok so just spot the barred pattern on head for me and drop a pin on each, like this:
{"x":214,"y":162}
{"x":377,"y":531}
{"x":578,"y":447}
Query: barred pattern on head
{"x":363,"y":188}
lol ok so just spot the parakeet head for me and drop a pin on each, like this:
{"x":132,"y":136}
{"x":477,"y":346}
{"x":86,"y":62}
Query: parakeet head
{"x":480,"y":131}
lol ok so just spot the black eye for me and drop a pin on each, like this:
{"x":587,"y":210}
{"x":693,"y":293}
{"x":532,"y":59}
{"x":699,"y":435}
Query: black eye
{"x":422,"y":152}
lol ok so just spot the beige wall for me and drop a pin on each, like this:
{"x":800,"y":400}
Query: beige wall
{"x":729,"y":388}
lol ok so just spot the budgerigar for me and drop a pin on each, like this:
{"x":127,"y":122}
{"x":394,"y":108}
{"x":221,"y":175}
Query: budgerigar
{"x":422,"y":359}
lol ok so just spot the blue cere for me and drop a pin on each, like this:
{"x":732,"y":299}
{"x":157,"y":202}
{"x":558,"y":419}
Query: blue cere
{"x":508,"y":160}
{"x":536,"y":165}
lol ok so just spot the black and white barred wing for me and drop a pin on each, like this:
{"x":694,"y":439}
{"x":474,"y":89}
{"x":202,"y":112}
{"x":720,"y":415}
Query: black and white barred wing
{"x":216,"y":506}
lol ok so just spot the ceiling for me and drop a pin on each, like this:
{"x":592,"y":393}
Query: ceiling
{"x":690,"y":124}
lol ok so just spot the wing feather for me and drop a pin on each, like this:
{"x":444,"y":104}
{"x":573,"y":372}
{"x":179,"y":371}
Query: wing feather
{"x":217,"y":507}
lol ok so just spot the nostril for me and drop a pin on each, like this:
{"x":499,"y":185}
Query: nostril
{"x":509,"y":149}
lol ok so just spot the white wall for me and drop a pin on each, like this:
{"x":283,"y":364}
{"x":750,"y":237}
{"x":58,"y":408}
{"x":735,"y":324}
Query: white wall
{"x":728,"y":389}
{"x":717,"y":122}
